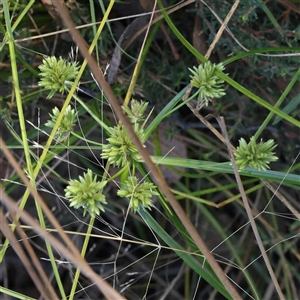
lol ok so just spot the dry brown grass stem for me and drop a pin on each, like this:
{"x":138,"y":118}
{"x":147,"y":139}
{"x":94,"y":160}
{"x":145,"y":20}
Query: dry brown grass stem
{"x":69,"y":251}
{"x":40,"y":280}
{"x":248,"y":211}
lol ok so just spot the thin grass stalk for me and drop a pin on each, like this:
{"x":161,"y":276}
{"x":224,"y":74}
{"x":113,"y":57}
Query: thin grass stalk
{"x":281,"y":198}
{"x":249,"y":214}
{"x":46,"y":284}
{"x":222,"y":28}
{"x":278,"y":103}
{"x":158,"y":18}
{"x":76,"y":259}
{"x":51,"y":254}
{"x":271,"y":17}
{"x":26,"y":147}
{"x":23,"y":132}
{"x":260,"y":51}
{"x":233,"y":249}
{"x":225,"y":167}
{"x":20,"y":17}
{"x":140,"y":58}
{"x":16,"y":295}
{"x":94,"y":28}
{"x":17,"y":89}
{"x":83,"y":252}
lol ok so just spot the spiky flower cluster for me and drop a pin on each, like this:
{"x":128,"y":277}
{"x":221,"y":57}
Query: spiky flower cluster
{"x":66,"y":124}
{"x":57,"y":75}
{"x":255,"y":155}
{"x":136,"y":111}
{"x":87,"y":193}
{"x":209,"y":85}
{"x":120,"y":150}
{"x":139,"y":194}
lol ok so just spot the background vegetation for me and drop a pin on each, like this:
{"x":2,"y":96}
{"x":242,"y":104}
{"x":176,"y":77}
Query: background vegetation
{"x":150,"y":254}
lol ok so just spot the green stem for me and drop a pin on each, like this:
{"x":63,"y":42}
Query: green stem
{"x":140,"y":63}
{"x":21,"y":15}
{"x":83,"y":252}
{"x":279,"y":102}
{"x":17,"y":91}
{"x":26,"y":147}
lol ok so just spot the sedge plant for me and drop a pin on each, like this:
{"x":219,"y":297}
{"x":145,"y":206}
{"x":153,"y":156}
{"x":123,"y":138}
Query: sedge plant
{"x":119,"y":151}
{"x":88,"y":192}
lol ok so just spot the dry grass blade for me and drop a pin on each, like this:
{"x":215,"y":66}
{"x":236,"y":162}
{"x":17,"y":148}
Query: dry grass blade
{"x":208,"y":125}
{"x":248,"y":210}
{"x":35,"y":261}
{"x":222,"y":28}
{"x":281,"y":198}
{"x":143,"y":152}
{"x":134,"y":75}
{"x":71,"y":252}
{"x":44,"y":286}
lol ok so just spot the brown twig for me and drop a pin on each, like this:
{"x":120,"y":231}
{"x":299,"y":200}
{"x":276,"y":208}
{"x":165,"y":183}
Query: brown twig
{"x":222,"y":28}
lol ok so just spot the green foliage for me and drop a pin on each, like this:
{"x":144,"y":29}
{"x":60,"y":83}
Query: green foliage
{"x":260,"y":26}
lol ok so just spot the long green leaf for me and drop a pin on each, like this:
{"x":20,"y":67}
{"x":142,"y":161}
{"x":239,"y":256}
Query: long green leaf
{"x":293,"y":104}
{"x":202,"y":271}
{"x":225,"y":167}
